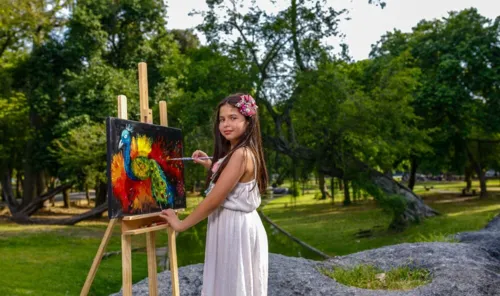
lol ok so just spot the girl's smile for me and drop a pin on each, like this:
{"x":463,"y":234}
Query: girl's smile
{"x":232,"y":124}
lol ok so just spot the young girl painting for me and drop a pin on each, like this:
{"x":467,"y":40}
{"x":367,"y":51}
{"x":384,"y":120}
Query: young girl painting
{"x":236,"y":252}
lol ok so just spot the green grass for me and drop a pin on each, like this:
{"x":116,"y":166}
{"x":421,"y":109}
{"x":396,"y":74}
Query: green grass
{"x":370,"y":277}
{"x":333,"y":228}
{"x":55,"y":260}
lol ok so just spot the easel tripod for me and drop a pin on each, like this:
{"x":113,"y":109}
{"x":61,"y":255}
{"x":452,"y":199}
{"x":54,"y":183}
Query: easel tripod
{"x":133,"y":225}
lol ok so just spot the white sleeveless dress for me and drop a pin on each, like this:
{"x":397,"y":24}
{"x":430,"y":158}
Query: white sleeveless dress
{"x":236,"y":252}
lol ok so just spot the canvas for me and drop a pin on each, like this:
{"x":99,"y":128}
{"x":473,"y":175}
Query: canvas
{"x":142,"y":177}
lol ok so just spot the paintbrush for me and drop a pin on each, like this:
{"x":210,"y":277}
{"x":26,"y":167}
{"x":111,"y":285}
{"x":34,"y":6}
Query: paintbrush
{"x":190,"y":158}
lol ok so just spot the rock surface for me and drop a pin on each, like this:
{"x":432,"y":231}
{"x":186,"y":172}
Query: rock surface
{"x":468,"y":268}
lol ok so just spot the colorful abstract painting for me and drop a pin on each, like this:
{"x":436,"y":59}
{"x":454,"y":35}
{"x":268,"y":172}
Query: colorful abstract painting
{"x":143,"y":175}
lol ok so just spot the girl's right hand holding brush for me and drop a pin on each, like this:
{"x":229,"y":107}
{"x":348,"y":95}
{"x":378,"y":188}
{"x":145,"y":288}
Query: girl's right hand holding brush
{"x":207,"y":163}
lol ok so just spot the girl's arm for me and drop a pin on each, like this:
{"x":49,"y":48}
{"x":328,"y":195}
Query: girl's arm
{"x":229,"y":177}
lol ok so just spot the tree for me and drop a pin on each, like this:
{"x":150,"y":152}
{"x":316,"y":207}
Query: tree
{"x":277,"y":51}
{"x":24,"y":38}
{"x":72,"y":76}
{"x":26,"y":23}
{"x":210,"y":78}
{"x":82,"y":157}
{"x":14,"y":135}
{"x":186,"y":40}
{"x":458,"y":92}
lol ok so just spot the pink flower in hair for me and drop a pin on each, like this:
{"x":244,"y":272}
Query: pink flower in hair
{"x":247,"y":105}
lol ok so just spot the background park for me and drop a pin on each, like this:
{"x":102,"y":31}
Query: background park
{"x":400,"y":147}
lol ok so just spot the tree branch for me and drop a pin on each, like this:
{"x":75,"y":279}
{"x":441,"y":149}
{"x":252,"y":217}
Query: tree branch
{"x":296,"y":47}
{"x":487,"y":141}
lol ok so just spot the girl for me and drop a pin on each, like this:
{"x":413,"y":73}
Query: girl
{"x":236,"y":252}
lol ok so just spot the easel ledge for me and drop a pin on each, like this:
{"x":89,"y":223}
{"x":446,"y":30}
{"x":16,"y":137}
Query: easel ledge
{"x":146,"y":223}
{"x":138,"y":224}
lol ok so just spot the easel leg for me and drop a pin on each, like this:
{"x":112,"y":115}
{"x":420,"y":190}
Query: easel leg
{"x":152,"y":274}
{"x":172,"y":251}
{"x":97,"y":258}
{"x":127,"y":265}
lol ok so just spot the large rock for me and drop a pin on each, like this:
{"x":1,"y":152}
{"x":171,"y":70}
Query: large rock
{"x":465,"y":269}
{"x":488,"y":238}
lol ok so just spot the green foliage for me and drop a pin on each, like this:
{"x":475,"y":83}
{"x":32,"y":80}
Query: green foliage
{"x":361,"y":109}
{"x":81,"y":154}
{"x":24,"y":22}
{"x":211,"y":77}
{"x":94,"y":90}
{"x":457,"y":95}
{"x":65,"y":62}
{"x":13,"y":131}
{"x":371,"y":277}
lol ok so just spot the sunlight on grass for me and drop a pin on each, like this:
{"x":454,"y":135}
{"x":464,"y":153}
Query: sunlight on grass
{"x":369,"y":277}
{"x":33,"y":228}
{"x":484,"y":209}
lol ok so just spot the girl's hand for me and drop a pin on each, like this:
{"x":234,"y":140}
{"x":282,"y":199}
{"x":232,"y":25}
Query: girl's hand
{"x":207,"y":163}
{"x":171,"y":217}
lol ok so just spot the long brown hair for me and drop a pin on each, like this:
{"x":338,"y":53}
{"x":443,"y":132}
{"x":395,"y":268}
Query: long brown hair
{"x":251,"y":139}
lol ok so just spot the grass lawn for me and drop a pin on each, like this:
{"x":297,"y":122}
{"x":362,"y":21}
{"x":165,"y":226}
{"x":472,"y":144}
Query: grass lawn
{"x":333,"y":228}
{"x":55,"y":260}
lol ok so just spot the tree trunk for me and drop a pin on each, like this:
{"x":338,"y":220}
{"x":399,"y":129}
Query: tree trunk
{"x":19,"y":184}
{"x":94,"y":213}
{"x":66,"y":198}
{"x":480,"y":174}
{"x":37,"y":203}
{"x":332,"y":188}
{"x":29,"y":185}
{"x":101,"y":194}
{"x":41,"y":184}
{"x":357,"y":189}
{"x":87,"y":193}
{"x":8,"y":192}
{"x":415,"y":210}
{"x":353,"y":190}
{"x":468,"y":178}
{"x":482,"y":184}
{"x":321,"y":177}
{"x":413,"y":173}
{"x":347,"y":198}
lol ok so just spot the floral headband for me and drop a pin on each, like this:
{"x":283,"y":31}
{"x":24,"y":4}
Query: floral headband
{"x":247,"y":105}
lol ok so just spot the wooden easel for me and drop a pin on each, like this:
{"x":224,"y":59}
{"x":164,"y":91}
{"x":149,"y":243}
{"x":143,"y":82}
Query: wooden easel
{"x":133,"y":225}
